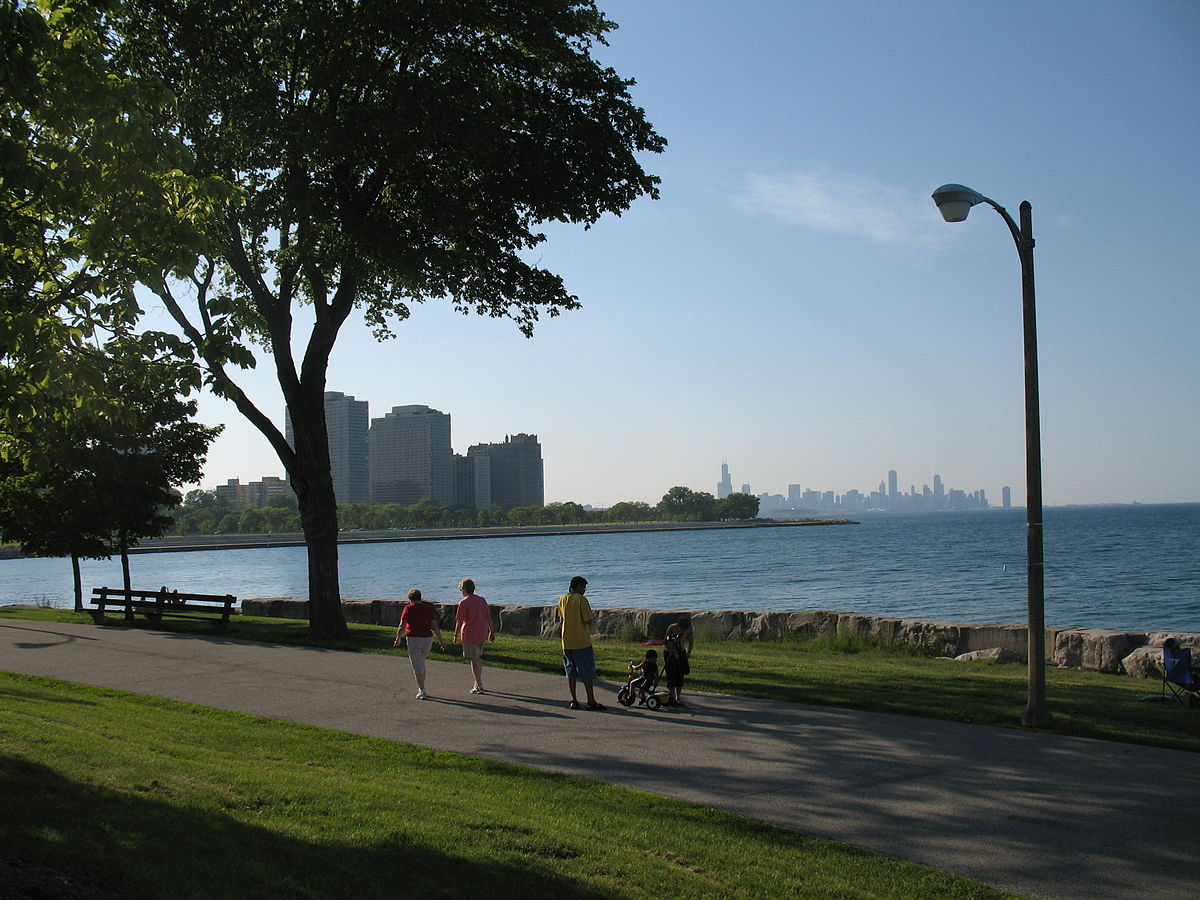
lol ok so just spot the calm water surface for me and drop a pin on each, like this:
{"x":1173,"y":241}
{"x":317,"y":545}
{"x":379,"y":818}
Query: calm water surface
{"x":1135,"y":568}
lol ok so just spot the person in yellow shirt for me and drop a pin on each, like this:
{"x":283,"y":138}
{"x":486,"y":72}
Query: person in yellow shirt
{"x":579,"y":660}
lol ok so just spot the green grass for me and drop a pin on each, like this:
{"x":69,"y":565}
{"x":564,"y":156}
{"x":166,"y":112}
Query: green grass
{"x":153,"y":798}
{"x":822,"y":672}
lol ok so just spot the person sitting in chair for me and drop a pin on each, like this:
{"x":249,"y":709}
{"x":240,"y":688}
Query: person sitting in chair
{"x":1178,"y":663}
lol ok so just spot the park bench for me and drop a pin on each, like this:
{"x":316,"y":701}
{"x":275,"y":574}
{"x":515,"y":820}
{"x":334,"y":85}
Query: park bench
{"x":157,"y":604}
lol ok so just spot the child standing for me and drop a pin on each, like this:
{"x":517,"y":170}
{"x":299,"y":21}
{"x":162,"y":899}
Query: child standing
{"x":418,"y":625}
{"x":676,"y":663}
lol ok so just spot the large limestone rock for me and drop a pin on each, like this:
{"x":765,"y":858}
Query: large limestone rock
{"x":1144,"y":662}
{"x":938,"y":638}
{"x":1094,"y":650}
{"x":718,"y":626}
{"x":525,"y":620}
{"x":873,"y":629}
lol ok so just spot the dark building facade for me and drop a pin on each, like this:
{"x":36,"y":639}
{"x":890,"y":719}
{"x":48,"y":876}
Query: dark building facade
{"x":517,"y":477}
{"x":472,"y":481}
{"x":410,"y":457}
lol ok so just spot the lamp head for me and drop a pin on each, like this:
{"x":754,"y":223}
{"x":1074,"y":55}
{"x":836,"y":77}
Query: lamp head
{"x":955,"y":201}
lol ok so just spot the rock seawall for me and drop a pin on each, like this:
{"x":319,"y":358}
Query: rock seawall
{"x":1137,"y":654}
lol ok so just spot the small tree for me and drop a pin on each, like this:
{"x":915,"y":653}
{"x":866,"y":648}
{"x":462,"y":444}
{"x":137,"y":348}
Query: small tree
{"x":51,"y":514}
{"x":109,"y":478}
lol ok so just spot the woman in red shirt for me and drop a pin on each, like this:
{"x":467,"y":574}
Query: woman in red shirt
{"x":418,"y":624}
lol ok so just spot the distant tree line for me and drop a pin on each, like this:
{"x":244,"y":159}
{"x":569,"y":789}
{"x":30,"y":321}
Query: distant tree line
{"x":206,"y":512}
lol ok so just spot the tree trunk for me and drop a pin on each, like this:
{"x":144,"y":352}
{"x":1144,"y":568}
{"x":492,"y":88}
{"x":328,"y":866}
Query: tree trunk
{"x":78,"y":582}
{"x":326,"y":621}
{"x":125,"y":562}
{"x":313,"y":483}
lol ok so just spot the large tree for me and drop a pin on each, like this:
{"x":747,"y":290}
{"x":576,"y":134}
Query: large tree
{"x":388,"y":152}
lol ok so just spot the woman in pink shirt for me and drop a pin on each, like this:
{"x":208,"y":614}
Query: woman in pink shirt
{"x":472,"y":627}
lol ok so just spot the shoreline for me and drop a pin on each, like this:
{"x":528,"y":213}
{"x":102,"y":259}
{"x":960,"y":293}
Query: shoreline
{"x":189,"y":543}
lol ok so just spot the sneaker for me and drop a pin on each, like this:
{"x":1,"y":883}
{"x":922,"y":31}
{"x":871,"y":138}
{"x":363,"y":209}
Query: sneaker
{"x":477,"y":689}
{"x":421,"y":695}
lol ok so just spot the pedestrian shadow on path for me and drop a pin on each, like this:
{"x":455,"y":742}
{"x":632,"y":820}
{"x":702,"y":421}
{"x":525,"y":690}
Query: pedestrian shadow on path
{"x":508,"y":710}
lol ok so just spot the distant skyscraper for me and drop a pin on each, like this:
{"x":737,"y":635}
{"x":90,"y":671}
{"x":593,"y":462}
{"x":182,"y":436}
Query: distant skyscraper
{"x":746,"y":489}
{"x":893,"y":489}
{"x":939,"y":493}
{"x":1006,"y":497}
{"x":472,"y":481}
{"x":410,"y":456}
{"x":517,"y":475}
{"x":725,"y":485}
{"x":347,"y":421}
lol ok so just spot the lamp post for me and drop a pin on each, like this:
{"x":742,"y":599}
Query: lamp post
{"x":954,"y":201}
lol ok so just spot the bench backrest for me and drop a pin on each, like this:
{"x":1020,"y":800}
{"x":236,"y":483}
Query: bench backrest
{"x":106,"y":593}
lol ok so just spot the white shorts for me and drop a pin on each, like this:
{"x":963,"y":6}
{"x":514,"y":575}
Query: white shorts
{"x":418,"y":649}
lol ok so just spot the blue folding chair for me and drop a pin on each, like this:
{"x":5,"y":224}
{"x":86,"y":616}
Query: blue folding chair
{"x":1177,"y":675}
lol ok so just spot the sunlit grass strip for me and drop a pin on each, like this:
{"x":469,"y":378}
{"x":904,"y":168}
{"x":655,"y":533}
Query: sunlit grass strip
{"x":154,"y":798}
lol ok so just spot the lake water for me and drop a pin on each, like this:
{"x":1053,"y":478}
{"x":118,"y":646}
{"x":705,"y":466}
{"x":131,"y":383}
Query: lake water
{"x":1124,"y":568}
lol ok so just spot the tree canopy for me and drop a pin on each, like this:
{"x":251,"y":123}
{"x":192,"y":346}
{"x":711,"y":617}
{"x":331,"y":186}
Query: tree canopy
{"x":93,"y":196}
{"x":386,"y":152}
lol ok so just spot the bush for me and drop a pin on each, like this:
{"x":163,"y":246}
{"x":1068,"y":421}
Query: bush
{"x":629,"y":634}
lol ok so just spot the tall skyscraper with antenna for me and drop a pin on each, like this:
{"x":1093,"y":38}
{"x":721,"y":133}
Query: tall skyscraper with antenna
{"x":725,"y":485}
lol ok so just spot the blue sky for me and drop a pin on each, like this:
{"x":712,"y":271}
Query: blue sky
{"x":795,"y":305}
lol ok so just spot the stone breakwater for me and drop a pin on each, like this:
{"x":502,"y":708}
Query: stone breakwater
{"x":1137,"y":654}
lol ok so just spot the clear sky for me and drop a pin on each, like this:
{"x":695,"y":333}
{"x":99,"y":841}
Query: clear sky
{"x":794,"y":304}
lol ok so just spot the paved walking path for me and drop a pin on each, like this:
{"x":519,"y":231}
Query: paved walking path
{"x":1037,"y":814}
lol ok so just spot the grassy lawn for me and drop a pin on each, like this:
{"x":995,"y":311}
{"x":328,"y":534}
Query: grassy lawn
{"x":153,"y":798}
{"x":821,"y":673}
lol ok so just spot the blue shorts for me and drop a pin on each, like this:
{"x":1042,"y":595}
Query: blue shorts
{"x":580,"y":663}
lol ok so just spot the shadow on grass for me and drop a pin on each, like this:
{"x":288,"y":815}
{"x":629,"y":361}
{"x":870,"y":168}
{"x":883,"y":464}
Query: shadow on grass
{"x":135,"y":845}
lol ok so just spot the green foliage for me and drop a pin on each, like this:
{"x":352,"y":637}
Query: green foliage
{"x":629,"y":634}
{"x":736,"y":506}
{"x":681,"y":504}
{"x":95,"y":483}
{"x":93,"y":198}
{"x":631,"y":511}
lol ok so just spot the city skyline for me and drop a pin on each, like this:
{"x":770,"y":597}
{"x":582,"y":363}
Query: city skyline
{"x":888,"y":496}
{"x":407,"y":455}
{"x":795,"y":296}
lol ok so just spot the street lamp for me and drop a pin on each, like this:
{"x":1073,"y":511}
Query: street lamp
{"x":955,"y":202}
